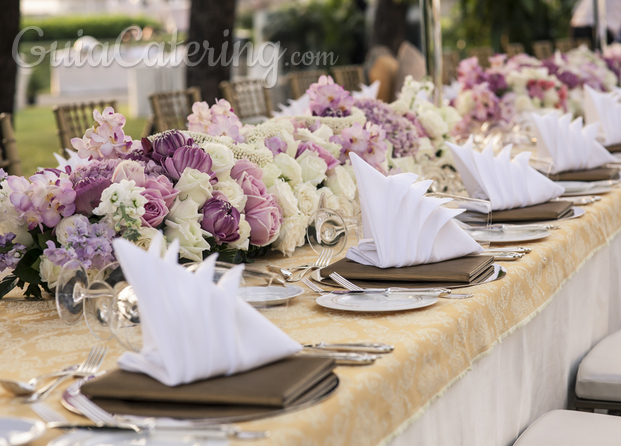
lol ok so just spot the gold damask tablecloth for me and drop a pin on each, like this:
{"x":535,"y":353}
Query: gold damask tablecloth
{"x":435,"y":346}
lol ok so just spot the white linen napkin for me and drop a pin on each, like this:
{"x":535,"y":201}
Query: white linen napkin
{"x":506,"y":184}
{"x":401,"y":227}
{"x":193,"y":328}
{"x":570,"y":145}
{"x":367,"y":91}
{"x":604,"y":108}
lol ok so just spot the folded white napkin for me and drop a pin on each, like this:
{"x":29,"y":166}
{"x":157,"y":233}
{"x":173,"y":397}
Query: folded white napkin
{"x":193,"y":328}
{"x":570,"y":145}
{"x":401,"y":227}
{"x":506,"y":184}
{"x":604,"y":108}
{"x":367,"y":91}
{"x":298,"y":107}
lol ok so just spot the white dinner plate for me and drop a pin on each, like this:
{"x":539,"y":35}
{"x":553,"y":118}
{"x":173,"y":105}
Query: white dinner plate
{"x":509,"y":235}
{"x":261,"y":296}
{"x":575,"y":186}
{"x":593,"y":191}
{"x":86,"y":438}
{"x":16,"y":431}
{"x":374,"y":303}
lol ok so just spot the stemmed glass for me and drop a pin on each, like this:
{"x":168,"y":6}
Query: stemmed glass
{"x":328,"y":229}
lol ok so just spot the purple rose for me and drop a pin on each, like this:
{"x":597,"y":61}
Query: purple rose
{"x":221,"y":220}
{"x":165,"y":187}
{"x":166,"y":144}
{"x":244,"y":165}
{"x":254,"y":189}
{"x":155,"y":209}
{"x":265,"y":219}
{"x":324,"y":154}
{"x":191,"y":157}
{"x":88,"y":194}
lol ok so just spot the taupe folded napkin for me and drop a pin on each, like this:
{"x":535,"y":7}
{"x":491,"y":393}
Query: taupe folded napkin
{"x":598,"y":174}
{"x":552,"y":210}
{"x":613,"y":148}
{"x":275,"y":385}
{"x":461,"y":271}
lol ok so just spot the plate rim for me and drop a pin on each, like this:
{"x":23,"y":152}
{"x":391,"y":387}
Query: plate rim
{"x":592,"y":191}
{"x":38,"y":426}
{"x":432,"y":299}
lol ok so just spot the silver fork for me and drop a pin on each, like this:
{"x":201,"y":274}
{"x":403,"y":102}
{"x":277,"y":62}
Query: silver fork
{"x":322,"y":261}
{"x":47,"y":414}
{"x":90,"y":365}
{"x":317,"y":289}
{"x":440,"y":292}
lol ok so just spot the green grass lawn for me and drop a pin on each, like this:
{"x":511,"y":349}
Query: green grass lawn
{"x":35,"y":133}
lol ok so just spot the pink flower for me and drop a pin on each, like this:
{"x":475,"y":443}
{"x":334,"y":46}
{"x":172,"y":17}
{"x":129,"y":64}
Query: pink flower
{"x":367,"y":142}
{"x":469,"y":72}
{"x":253,"y":188}
{"x":219,"y":120}
{"x":106,"y":138}
{"x":129,"y":170}
{"x":329,"y":99}
{"x":245,"y":165}
{"x":265,"y":219}
{"x":164,"y":186}
{"x":226,"y":126}
{"x":155,"y":209}
{"x":324,"y":154}
{"x":276,"y":145}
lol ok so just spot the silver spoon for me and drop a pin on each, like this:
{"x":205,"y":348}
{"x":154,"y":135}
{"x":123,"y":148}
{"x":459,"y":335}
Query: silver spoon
{"x":20,"y":388}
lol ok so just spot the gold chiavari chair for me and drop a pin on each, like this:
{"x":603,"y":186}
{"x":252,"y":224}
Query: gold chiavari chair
{"x":249,"y":99}
{"x":171,"y":108}
{"x":450,"y":62}
{"x":299,"y":81}
{"x":542,"y":49}
{"x":349,"y":76}
{"x":564,"y":45}
{"x":483,"y":54}
{"x":72,"y":120}
{"x":9,"y":158}
{"x":513,"y":49}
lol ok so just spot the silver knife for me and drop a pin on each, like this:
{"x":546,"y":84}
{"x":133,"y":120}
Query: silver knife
{"x":94,"y":427}
{"x":341,"y":358}
{"x":365,"y":347}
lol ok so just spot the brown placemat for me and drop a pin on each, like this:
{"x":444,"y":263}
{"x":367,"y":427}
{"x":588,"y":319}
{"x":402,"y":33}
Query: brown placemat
{"x":274,"y":385}
{"x":464,"y":270}
{"x":613,"y":148}
{"x":232,"y":412}
{"x":552,"y":210}
{"x":598,"y":174}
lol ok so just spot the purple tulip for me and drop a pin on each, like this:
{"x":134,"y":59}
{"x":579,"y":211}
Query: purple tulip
{"x":191,"y":157}
{"x":221,"y":220}
{"x":88,"y":194}
{"x":244,"y":165}
{"x":167,"y":143}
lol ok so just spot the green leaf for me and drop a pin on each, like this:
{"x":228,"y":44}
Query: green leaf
{"x":43,"y":238}
{"x":7,"y":284}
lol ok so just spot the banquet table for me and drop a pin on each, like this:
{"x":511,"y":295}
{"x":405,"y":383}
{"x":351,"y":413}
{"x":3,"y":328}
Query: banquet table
{"x":464,"y":372}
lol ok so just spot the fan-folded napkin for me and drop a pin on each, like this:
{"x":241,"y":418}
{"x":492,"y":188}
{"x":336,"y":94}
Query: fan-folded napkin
{"x":570,"y":145}
{"x":604,"y":108}
{"x":193,"y":328}
{"x":402,"y":227}
{"x":505,"y":183}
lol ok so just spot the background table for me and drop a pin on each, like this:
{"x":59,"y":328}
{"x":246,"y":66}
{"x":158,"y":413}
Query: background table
{"x":450,"y":379}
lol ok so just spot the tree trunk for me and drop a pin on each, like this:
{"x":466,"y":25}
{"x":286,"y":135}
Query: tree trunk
{"x":9,"y":27}
{"x":211,"y":21}
{"x":389,"y":24}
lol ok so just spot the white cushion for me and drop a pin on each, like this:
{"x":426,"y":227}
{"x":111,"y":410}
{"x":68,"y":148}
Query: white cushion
{"x":599,"y":374}
{"x":571,"y":428}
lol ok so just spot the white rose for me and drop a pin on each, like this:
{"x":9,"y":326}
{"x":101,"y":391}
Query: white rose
{"x":146,"y":237}
{"x":222,"y":158}
{"x":550,"y":98}
{"x":194,"y":184}
{"x":270,"y":172}
{"x":320,"y":136}
{"x":191,"y":238}
{"x":433,"y":123}
{"x":346,"y":207}
{"x":234,"y":193}
{"x":340,"y":182}
{"x":523,"y":103}
{"x":331,"y":202}
{"x":350,"y":170}
{"x":65,"y":223}
{"x":313,"y":167}
{"x":308,"y":198}
{"x":465,"y":103}
{"x":49,"y":272}
{"x":244,"y":235}
{"x":291,"y":170}
{"x":291,"y":234}
{"x":184,"y":210}
{"x":286,"y":198}
{"x":292,"y":144}
{"x":451,"y":116}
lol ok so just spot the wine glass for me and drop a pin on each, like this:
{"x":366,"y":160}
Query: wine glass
{"x":327,"y":229}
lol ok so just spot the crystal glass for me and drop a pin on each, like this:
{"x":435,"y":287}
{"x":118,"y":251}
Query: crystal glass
{"x":327,"y":229}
